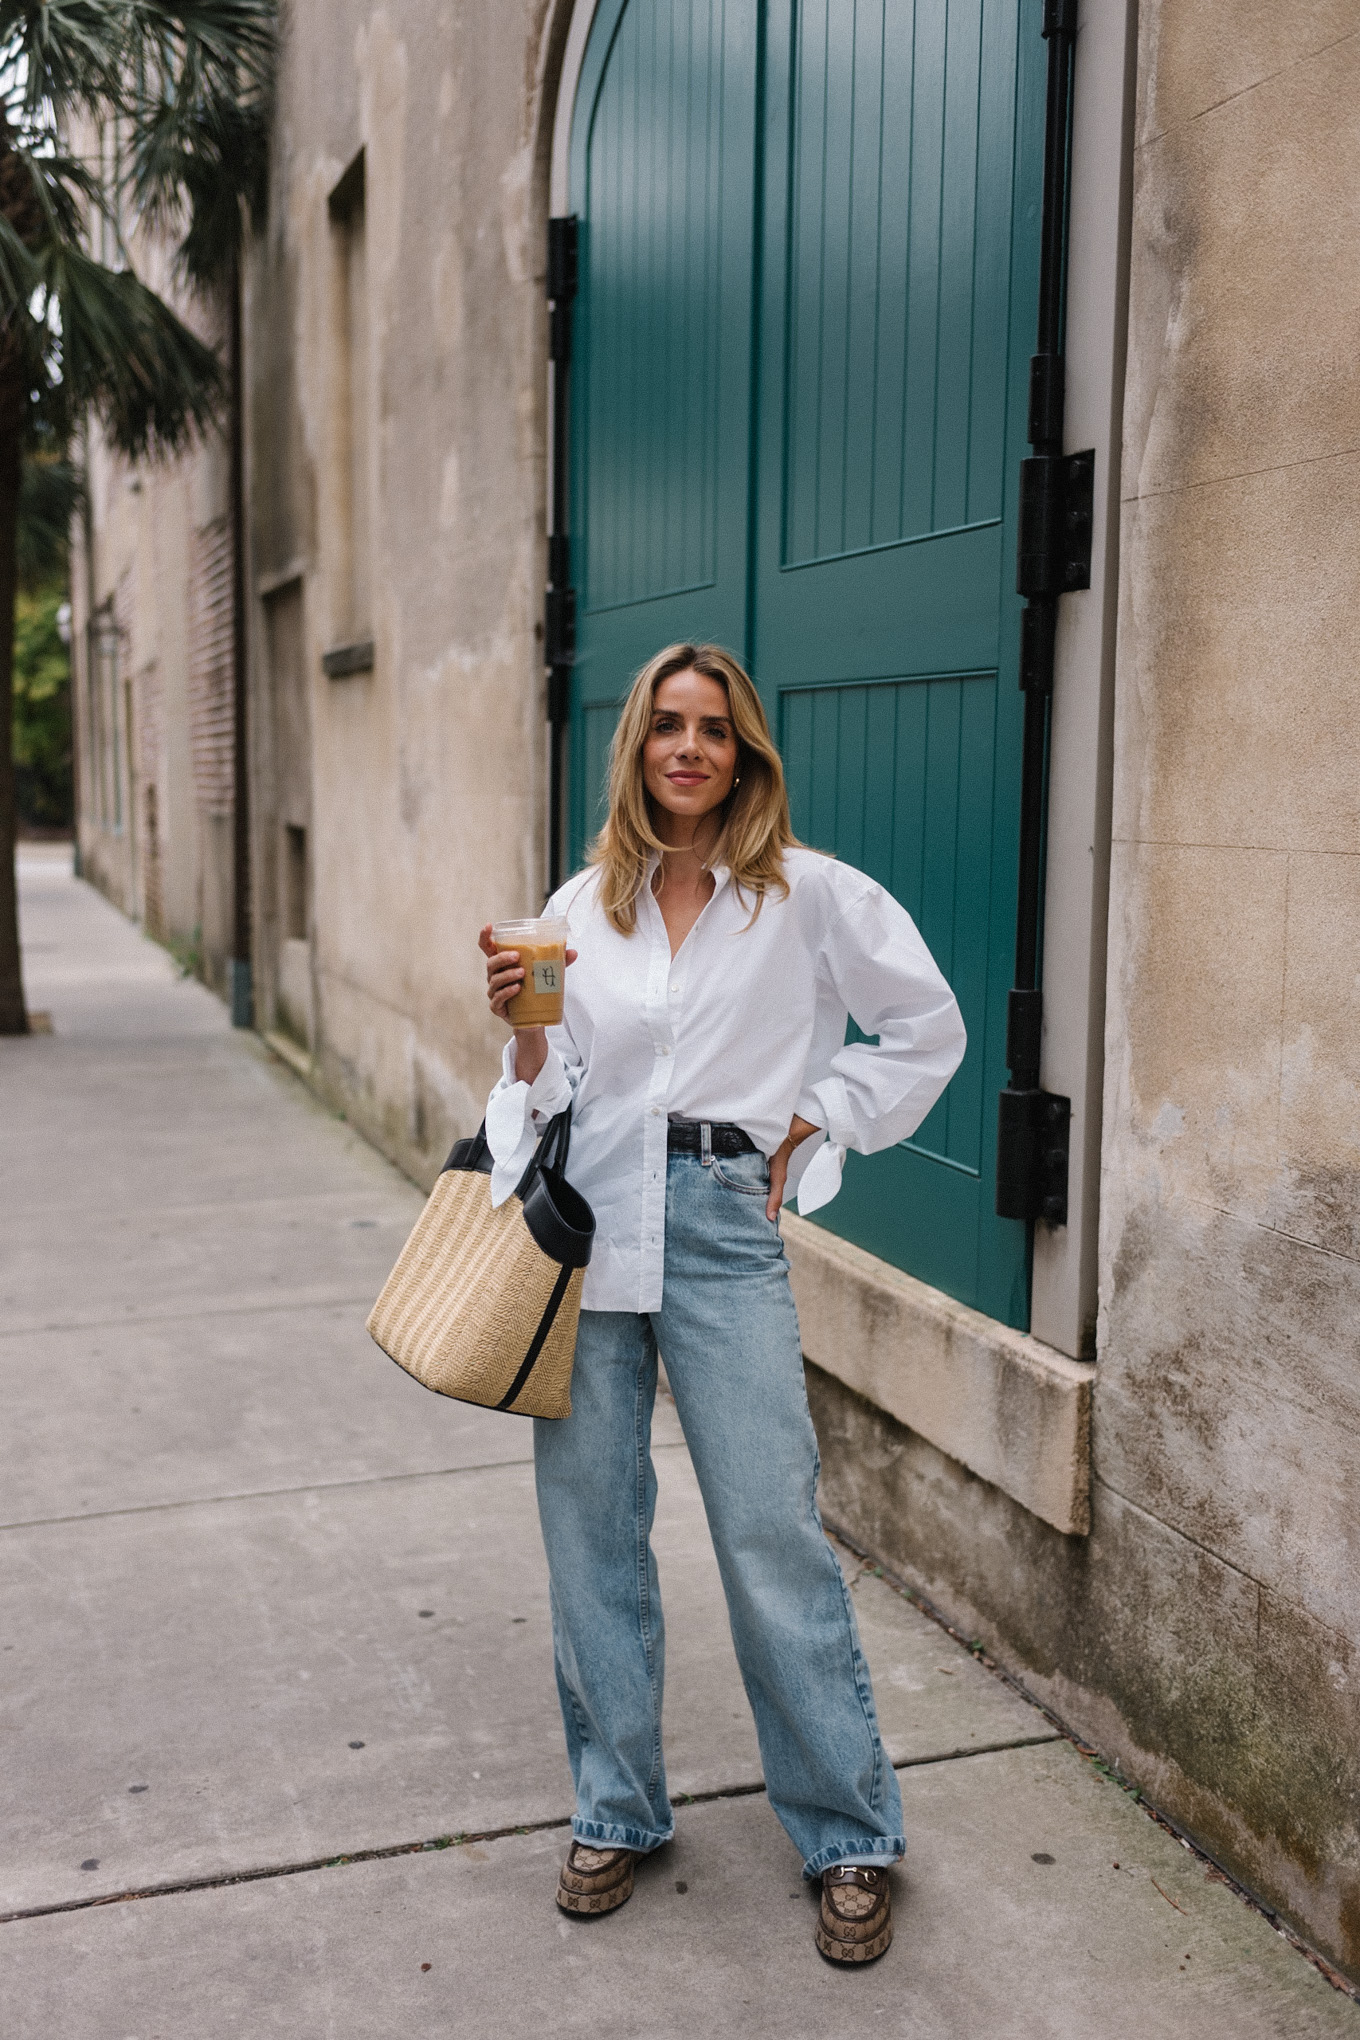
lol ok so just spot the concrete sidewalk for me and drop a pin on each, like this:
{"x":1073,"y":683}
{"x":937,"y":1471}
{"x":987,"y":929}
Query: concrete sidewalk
{"x":267,"y":1604}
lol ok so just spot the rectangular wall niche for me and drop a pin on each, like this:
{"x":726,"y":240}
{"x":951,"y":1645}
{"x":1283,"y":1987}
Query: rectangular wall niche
{"x":351,"y":490}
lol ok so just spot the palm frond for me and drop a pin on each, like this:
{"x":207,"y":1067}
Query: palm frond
{"x":202,"y":186}
{"x":63,"y":192}
{"x":19,"y":273}
{"x":204,"y":47}
{"x":197,"y":143}
{"x":64,"y":53}
{"x":154,"y":383}
{"x":188,"y":85}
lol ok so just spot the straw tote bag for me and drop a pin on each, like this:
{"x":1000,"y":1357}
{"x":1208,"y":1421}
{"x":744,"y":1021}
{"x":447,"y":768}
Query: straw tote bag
{"x":483,"y":1305}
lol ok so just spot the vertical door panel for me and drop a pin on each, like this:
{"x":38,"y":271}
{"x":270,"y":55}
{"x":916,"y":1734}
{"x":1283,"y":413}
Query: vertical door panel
{"x":860,"y":547}
{"x":899,"y":246}
{"x":663,"y":179}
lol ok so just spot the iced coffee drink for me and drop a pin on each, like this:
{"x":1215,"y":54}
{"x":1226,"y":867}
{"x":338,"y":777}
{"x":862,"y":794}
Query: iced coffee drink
{"x":542,"y":948}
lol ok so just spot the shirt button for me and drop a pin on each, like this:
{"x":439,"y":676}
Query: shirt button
{"x":665,"y":1048}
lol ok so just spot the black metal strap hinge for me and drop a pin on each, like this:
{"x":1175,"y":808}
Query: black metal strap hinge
{"x":1033,"y":1125}
{"x":563,"y":245}
{"x":1033,"y":1132}
{"x":1057,"y":502}
{"x":559,"y":626}
{"x":559,"y":609}
{"x":1053,"y":557}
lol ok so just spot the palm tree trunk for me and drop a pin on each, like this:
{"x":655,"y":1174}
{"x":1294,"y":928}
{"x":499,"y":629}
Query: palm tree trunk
{"x":13,"y":1013}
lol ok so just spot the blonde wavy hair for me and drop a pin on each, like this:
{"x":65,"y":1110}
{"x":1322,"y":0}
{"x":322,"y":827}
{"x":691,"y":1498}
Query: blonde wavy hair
{"x":754,"y":828}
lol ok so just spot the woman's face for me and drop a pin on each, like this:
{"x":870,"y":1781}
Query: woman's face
{"x":689,"y":758}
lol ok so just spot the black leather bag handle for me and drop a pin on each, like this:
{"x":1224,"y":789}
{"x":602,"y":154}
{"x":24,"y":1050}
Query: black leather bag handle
{"x":549,"y":1156}
{"x":559,"y":1218}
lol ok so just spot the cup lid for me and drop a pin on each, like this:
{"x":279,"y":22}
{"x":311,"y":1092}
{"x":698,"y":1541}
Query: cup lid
{"x":546,"y":927}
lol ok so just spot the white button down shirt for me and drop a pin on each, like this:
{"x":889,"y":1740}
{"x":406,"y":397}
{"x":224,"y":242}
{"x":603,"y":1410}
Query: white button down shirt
{"x":745,"y":1023}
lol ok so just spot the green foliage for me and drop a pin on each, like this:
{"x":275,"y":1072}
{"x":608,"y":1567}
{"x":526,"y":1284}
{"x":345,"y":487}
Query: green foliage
{"x":42,"y":710}
{"x":177,"y":97}
{"x":199,"y":128}
{"x":50,"y":493}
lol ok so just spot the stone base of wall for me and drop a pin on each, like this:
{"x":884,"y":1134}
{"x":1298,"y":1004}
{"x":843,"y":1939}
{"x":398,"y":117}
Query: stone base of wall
{"x":1224,"y":1704}
{"x":1007,"y":1406}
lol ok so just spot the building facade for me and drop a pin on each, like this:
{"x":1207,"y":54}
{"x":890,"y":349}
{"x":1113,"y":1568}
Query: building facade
{"x":1121,"y":1443}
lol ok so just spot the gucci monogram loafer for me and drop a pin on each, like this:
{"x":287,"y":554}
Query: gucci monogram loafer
{"x":595,"y":1881}
{"x":855,"y":1924}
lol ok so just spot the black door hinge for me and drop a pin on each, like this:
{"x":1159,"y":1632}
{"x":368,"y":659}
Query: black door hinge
{"x":1032,"y":1124}
{"x":562,"y":256}
{"x":559,"y":626}
{"x":1033,"y":1132}
{"x":1057,"y":501}
{"x":559,"y":698}
{"x":563,"y":243}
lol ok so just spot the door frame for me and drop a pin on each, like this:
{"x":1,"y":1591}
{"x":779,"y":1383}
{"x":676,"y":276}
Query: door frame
{"x":1063,"y":1297}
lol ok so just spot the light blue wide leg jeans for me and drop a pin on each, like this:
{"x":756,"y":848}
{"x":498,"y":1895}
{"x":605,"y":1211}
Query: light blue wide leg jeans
{"x":729,"y":1333}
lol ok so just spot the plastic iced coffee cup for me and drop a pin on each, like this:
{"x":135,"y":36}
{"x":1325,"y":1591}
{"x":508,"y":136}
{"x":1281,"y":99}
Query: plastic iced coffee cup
{"x":542,"y":947}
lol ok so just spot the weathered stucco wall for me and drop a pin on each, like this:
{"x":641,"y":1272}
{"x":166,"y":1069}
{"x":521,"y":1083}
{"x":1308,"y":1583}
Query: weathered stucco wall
{"x":1208,"y":1632}
{"x":1231,"y":1403}
{"x":427,"y":772}
{"x":154,"y":823}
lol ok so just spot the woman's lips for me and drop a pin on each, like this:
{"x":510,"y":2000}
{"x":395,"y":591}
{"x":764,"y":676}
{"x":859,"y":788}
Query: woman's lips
{"x":687,"y":778}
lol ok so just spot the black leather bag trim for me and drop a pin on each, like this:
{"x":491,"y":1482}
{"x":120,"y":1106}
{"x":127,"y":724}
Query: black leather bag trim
{"x":472,"y":1154}
{"x":560,"y":1221}
{"x":545,"y":1325}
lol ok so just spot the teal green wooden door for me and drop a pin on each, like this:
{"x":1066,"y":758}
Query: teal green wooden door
{"x":663,"y":172}
{"x":902,"y":183}
{"x":798,"y":419}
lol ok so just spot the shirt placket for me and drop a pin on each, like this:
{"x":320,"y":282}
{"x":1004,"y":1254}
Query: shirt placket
{"x":660,"y":1020}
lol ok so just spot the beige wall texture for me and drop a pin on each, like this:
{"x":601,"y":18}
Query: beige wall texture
{"x":152,"y":686}
{"x":1230,"y":1406}
{"x":397,"y":386}
{"x":1165,"y":1546}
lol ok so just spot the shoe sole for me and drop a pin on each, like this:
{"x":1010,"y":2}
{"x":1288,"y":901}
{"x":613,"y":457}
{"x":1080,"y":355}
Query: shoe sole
{"x":836,"y":1951}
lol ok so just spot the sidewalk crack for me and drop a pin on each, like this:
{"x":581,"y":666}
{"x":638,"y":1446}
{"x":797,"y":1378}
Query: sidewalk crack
{"x":261,"y":1872}
{"x":306,"y":1487}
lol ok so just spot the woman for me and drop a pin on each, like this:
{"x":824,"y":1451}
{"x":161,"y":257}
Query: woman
{"x":703,"y":1051}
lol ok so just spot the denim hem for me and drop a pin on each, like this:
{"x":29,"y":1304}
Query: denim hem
{"x":890,"y":1847}
{"x":616,"y":1837}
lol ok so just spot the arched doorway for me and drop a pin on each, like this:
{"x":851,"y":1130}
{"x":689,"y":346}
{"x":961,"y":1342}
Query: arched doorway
{"x":808,"y":269}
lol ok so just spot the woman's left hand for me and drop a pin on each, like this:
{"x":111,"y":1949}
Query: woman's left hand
{"x":800,"y":1131}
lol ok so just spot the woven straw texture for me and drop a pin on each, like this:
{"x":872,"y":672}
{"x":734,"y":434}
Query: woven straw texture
{"x":462,"y":1305}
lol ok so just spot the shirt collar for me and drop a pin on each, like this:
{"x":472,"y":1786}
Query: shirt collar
{"x":722,"y":875}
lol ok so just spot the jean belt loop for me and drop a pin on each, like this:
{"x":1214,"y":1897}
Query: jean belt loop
{"x":705,"y":1145}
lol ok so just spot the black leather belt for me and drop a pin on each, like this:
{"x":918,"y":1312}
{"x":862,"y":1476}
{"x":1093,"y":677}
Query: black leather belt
{"x":685,"y":1137}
